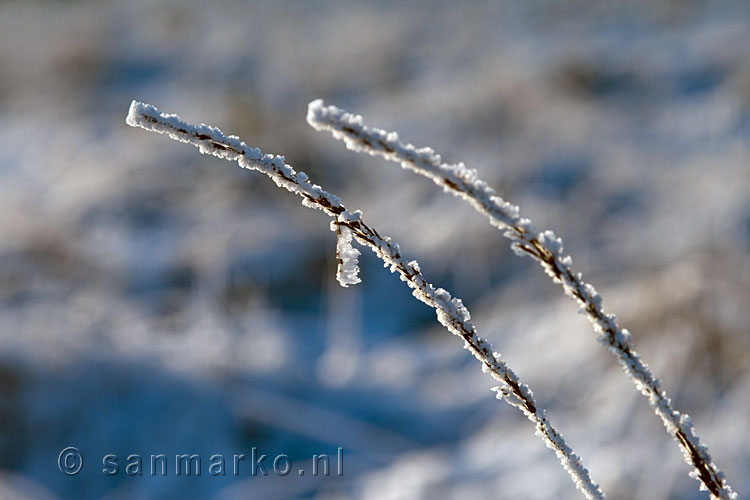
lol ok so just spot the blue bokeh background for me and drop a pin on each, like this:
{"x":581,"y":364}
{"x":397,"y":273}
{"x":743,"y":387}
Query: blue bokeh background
{"x":153,"y":300}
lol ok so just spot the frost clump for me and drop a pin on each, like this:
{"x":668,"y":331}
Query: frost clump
{"x":347,"y":272}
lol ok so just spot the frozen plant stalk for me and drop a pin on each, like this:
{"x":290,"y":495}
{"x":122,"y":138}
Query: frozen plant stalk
{"x":450,"y":311}
{"x":542,"y":246}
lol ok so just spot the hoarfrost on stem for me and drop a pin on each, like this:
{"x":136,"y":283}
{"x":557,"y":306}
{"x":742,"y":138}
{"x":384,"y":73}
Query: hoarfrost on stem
{"x":347,"y":272}
{"x":547,"y":249}
{"x":450,"y":311}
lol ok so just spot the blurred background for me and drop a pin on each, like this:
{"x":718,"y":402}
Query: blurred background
{"x":153,"y":300}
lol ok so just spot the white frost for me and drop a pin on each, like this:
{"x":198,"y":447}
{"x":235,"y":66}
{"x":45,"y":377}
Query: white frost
{"x":543,"y":246}
{"x":347,"y":272}
{"x":450,"y":311}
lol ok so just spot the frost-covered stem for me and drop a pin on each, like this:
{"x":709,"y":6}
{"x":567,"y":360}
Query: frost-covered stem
{"x":451,"y":312}
{"x":544,"y":247}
